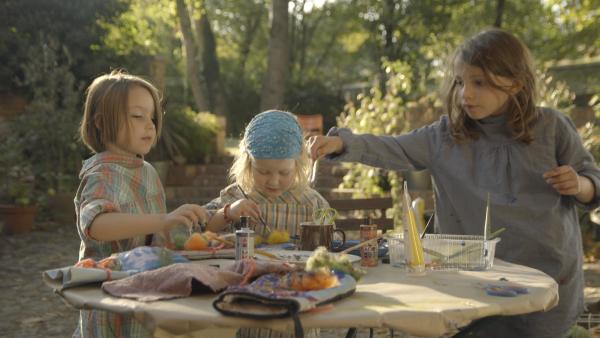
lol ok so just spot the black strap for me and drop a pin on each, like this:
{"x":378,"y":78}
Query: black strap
{"x":298,"y":329}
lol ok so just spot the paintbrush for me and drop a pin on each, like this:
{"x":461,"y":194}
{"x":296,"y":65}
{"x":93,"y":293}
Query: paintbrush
{"x":486,"y":223}
{"x":361,"y":244}
{"x":313,"y":173}
{"x":260,"y":218}
{"x":476,"y":246}
{"x":426,"y":226}
{"x":258,"y":251}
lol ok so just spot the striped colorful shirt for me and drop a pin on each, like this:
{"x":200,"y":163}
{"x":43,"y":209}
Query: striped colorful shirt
{"x":285,"y":212}
{"x":114,"y":183}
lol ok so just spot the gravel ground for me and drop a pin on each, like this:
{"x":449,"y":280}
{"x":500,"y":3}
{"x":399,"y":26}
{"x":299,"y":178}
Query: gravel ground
{"x":28,"y":308}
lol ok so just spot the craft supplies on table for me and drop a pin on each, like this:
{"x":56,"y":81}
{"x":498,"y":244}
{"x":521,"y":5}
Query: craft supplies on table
{"x":369,"y":251}
{"x":458,"y":252}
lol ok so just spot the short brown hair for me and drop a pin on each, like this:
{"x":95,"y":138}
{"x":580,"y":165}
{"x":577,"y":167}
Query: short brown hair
{"x":105,"y":108}
{"x":498,"y":53}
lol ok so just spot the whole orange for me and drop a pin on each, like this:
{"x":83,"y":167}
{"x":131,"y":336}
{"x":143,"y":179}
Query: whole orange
{"x":196,"y":242}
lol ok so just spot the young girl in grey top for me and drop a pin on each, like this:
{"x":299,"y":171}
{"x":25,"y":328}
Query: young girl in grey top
{"x":495,"y":140}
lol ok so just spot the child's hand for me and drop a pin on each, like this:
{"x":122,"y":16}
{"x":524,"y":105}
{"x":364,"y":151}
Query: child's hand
{"x":319,"y":146}
{"x":188,"y":214}
{"x":244,"y":207}
{"x":564,"y":179}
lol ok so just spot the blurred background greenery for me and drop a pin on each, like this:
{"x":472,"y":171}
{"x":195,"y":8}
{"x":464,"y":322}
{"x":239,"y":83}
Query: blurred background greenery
{"x":374,"y":66}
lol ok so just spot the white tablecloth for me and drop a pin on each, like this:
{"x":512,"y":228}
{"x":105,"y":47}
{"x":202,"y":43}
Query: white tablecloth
{"x":432,"y":305}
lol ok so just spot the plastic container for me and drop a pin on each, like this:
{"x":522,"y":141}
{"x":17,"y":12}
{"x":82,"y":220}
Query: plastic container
{"x":396,"y":250}
{"x":458,"y":252}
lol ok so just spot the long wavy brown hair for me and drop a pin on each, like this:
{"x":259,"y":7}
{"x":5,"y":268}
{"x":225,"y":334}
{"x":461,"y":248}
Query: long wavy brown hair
{"x":497,"y":53}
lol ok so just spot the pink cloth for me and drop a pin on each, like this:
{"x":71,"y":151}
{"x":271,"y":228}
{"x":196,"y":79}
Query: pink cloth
{"x":181,"y":279}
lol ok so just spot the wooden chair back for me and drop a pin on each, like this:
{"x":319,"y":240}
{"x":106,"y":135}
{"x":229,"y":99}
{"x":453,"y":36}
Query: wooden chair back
{"x":369,"y":205}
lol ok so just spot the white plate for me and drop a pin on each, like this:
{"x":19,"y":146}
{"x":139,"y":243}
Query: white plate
{"x":299,"y":257}
{"x":195,"y":255}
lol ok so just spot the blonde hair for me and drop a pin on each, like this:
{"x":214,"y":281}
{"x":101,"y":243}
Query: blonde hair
{"x":497,"y":53}
{"x":241,"y":169}
{"x":105,"y":109}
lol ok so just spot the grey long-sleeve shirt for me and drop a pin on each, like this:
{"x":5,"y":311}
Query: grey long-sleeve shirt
{"x":542,"y":229}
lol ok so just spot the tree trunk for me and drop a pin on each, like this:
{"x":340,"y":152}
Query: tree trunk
{"x":499,"y":13}
{"x":273,"y":89}
{"x":389,"y":49}
{"x":310,"y":33}
{"x":199,"y":90}
{"x":207,"y":49}
{"x":253,"y":23}
{"x":293,"y":35}
{"x":389,"y":22}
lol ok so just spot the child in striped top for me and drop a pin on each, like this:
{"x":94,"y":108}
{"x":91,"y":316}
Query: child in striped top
{"x":120,"y":203}
{"x":270,"y":183}
{"x":270,"y":178}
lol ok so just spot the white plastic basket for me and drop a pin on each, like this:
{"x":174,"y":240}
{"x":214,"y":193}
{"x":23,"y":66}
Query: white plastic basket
{"x":458,"y":252}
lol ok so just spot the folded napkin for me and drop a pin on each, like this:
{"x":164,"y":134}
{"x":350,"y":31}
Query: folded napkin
{"x":70,"y":276}
{"x":123,"y":264}
{"x":173,"y":281}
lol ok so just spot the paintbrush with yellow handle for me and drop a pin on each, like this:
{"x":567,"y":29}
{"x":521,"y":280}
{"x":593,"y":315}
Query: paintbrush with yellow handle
{"x":361,"y":244}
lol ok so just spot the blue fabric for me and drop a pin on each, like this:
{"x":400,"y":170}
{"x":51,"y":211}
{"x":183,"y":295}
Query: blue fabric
{"x":274,"y":134}
{"x":145,"y":258}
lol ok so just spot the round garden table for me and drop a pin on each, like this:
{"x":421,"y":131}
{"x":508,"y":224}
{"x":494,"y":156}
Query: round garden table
{"x":435,"y":304}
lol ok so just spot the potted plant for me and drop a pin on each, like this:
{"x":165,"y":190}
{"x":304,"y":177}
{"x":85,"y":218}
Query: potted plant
{"x":17,"y":207}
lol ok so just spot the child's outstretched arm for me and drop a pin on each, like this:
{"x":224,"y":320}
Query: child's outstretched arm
{"x":320,"y":146}
{"x":567,"y":182}
{"x":116,"y":226}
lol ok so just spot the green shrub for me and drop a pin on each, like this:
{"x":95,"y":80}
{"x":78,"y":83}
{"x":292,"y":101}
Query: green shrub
{"x":16,"y":176}
{"x":46,"y":133}
{"x":187,"y":137}
{"x":380,"y":114}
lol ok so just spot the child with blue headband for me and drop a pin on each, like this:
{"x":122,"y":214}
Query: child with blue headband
{"x":270,"y":182}
{"x":270,"y":178}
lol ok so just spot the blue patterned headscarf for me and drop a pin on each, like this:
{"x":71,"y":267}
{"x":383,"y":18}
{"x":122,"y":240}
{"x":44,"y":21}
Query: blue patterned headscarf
{"x":274,"y":134}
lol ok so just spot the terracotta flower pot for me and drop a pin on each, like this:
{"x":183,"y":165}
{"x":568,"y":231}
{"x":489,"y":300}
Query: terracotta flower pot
{"x":17,"y":219}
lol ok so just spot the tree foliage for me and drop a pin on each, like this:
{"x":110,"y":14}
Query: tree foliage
{"x":71,"y":22}
{"x":331,"y":43}
{"x":43,"y":141}
{"x":387,"y":112}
